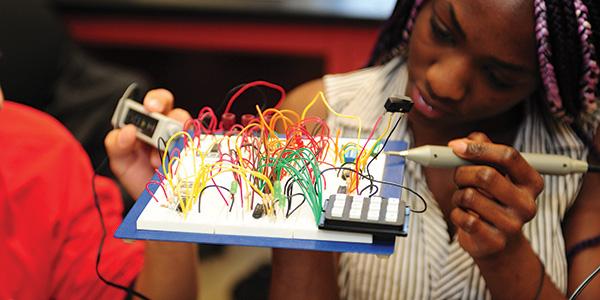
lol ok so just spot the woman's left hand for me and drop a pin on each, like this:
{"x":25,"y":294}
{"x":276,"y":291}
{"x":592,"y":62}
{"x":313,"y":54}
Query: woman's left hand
{"x":496,"y":195}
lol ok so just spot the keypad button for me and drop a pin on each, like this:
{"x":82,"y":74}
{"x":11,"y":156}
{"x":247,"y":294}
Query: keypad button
{"x":373,"y":216}
{"x":392,"y":207}
{"x":374,"y":206}
{"x":339,"y":203}
{"x":355,"y":213}
{"x":391,"y":217}
{"x":337,"y":212}
{"x":357,"y":205}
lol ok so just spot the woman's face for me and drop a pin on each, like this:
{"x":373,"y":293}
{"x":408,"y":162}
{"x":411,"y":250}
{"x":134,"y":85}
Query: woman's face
{"x":471,"y":60}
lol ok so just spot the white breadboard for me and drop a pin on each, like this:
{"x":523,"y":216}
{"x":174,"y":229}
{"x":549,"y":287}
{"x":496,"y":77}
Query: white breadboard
{"x":215,"y":217}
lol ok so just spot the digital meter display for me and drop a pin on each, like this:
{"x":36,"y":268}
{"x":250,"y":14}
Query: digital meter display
{"x":145,"y":123}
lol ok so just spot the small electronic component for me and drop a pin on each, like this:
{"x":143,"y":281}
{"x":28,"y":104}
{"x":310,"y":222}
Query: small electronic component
{"x":259,"y":211}
{"x":375,"y":215}
{"x":213,"y":152}
{"x":228,"y":120}
{"x":350,"y":156}
{"x":398,"y":104}
{"x":247,"y":119}
{"x":151,"y":126}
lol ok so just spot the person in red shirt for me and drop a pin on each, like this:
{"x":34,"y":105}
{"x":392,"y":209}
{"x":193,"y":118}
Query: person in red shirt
{"x":49,"y":226}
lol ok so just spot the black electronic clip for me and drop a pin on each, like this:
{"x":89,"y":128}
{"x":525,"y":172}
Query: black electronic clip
{"x":401,"y":104}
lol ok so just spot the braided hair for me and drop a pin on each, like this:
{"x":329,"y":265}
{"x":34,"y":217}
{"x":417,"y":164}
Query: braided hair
{"x":568,"y":50}
{"x":393,"y":39}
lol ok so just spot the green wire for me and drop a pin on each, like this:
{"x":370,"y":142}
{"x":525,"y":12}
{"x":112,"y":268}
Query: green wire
{"x":297,"y":163}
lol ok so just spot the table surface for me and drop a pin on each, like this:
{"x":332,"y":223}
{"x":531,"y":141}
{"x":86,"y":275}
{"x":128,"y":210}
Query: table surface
{"x":349,"y":10}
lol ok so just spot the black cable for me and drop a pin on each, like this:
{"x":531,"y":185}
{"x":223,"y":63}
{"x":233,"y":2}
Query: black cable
{"x":594,"y":168}
{"x":289,"y":213}
{"x":347,"y":163}
{"x":129,"y":290}
{"x":161,"y":150}
{"x":387,"y":139}
{"x":370,"y":186}
{"x":384,"y":182}
{"x":289,"y":189}
{"x":584,"y":284}
{"x":215,"y":186}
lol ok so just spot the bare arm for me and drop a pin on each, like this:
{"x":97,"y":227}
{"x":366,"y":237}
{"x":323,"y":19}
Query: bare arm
{"x":303,"y":275}
{"x":583,"y":222}
{"x":300,"y":97}
{"x":169,"y":270}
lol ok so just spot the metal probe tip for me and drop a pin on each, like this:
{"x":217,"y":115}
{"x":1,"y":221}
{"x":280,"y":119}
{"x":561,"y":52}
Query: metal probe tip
{"x":397,"y":153}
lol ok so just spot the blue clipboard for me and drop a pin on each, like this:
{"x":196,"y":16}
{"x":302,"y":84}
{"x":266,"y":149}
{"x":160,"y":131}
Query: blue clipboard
{"x":393,"y":172}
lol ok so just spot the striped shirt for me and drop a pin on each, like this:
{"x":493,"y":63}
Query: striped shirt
{"x":429,"y":264}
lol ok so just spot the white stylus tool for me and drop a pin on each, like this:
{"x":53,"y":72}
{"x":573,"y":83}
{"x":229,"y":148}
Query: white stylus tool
{"x":443,"y":157}
{"x":151,"y":126}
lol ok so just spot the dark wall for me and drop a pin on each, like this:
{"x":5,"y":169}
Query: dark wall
{"x":32,"y":43}
{"x":199,"y":78}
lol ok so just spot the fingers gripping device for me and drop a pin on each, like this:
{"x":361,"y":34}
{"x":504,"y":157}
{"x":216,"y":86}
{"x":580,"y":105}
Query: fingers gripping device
{"x":151,"y":126}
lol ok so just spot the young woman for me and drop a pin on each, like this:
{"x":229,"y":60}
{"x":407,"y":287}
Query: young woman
{"x":490,"y":78}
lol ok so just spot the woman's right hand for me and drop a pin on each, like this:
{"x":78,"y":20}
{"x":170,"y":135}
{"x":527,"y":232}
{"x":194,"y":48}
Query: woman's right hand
{"x":131,"y":160}
{"x":495,"y":197}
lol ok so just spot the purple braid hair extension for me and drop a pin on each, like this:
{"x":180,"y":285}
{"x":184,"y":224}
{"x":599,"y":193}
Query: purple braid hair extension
{"x":410,"y":22}
{"x":591,"y":69}
{"x":546,"y":68}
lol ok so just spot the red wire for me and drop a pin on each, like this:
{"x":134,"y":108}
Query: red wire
{"x":253,"y":84}
{"x":208,"y":111}
{"x":219,"y":190}
{"x":152,"y":193}
{"x":160,"y":175}
{"x":363,"y":148}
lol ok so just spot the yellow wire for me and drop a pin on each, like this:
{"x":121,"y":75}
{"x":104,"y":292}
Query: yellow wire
{"x":244,"y":172}
{"x":367,"y":154}
{"x":166,"y":154}
{"x":321,"y":96}
{"x":280,"y":114}
{"x":202,"y":173}
{"x":264,"y":123}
